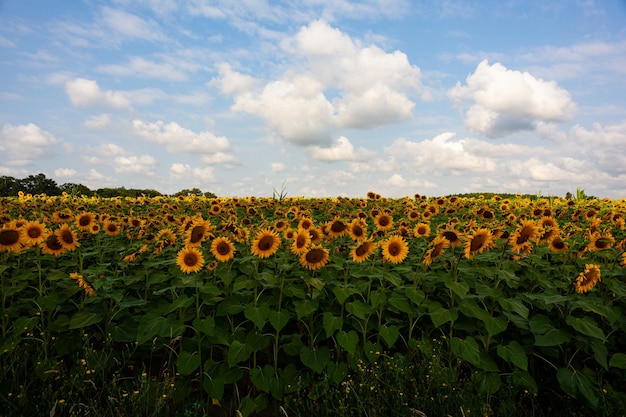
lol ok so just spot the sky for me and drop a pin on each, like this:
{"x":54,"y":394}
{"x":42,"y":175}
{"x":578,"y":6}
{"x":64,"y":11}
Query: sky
{"x":317,"y":98}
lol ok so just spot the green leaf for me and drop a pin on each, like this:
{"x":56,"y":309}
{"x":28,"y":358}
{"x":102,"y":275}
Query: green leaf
{"x":515,"y":354}
{"x":331,"y":323}
{"x":348,"y":340}
{"x":553,"y":337}
{"x":600,"y":353}
{"x":359,"y":309}
{"x":586,"y":326}
{"x":440,"y":315}
{"x":416,"y":296}
{"x":264,"y":378}
{"x":181,"y":302}
{"x":495,"y":325}
{"x":389,"y":334}
{"x":205,"y":326}
{"x":278,"y":319}
{"x":257,"y":315}
{"x":459,"y":288}
{"x":377,"y":298}
{"x":149,"y":327}
{"x":187,"y":363}
{"x":467,"y":349}
{"x":315,"y":359}
{"x":514,"y":305}
{"x":84,"y":319}
{"x":342,"y":294}
{"x":400,"y":303}
{"x":372,"y":350}
{"x":237,"y":353}
{"x":618,"y":360}
{"x":575,"y":382}
{"x":304,"y":308}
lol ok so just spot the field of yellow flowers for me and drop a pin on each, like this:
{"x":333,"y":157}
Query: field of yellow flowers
{"x":245,"y":301}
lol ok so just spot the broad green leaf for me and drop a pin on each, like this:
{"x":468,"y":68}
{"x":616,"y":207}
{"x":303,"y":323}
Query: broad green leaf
{"x":389,"y":334}
{"x":416,"y":296}
{"x":460,"y":288}
{"x":264,"y":378}
{"x":377,"y":298}
{"x":331,"y":323}
{"x":514,"y":353}
{"x":149,"y":328}
{"x":181,"y":302}
{"x":440,"y":315}
{"x":495,"y":325}
{"x":399,"y":302}
{"x":618,"y":360}
{"x":372,"y":350}
{"x":359,"y":309}
{"x":342,"y":294}
{"x":305,"y":307}
{"x":586,"y":326}
{"x":552,"y":338}
{"x":488,"y":382}
{"x":514,"y":305}
{"x":84,"y":319}
{"x":187,"y":363}
{"x":575,"y":382}
{"x":348,"y":340}
{"x":237,"y":353}
{"x":600,"y":353}
{"x":540,"y":324}
{"x":278,"y":319}
{"x":205,"y":326}
{"x":467,"y":349}
{"x":257,"y":315}
{"x":315,"y":359}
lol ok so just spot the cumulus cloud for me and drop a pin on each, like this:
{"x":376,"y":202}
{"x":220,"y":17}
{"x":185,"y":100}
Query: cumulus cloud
{"x":141,"y":67}
{"x":143,"y":165}
{"x":178,"y":139}
{"x":277,"y":167}
{"x":97,"y":121}
{"x":440,"y":154}
{"x":334,"y":82}
{"x":87,"y":93}
{"x":180,"y":171}
{"x":503,"y":101}
{"x":340,"y":150}
{"x":22,"y":144}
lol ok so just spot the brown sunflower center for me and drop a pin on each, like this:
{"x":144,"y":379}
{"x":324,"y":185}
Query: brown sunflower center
{"x":363,"y":249}
{"x":266,"y":242}
{"x":197,"y":233}
{"x":451,"y":236}
{"x":67,"y":237}
{"x":315,"y":255}
{"x":602,"y":243}
{"x":84,"y":220}
{"x":223,"y":248}
{"x":53,"y":243}
{"x":394,"y":249}
{"x":338,"y":226}
{"x":9,"y":237}
{"x":190,"y":259}
{"x":384,"y":221}
{"x":33,"y":232}
{"x":477,"y":243}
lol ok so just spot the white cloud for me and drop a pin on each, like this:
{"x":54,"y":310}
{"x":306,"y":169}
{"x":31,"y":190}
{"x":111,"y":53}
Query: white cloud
{"x":341,"y":85}
{"x":65,"y":172}
{"x":143,"y":165}
{"x":277,"y":167}
{"x":109,"y":150}
{"x":504,"y":101}
{"x":141,"y":67}
{"x":398,"y":181}
{"x":86,"y":93}
{"x":340,"y":150}
{"x":129,"y":25}
{"x":98,"y":121}
{"x":178,"y":139}
{"x":22,"y":144}
{"x":180,"y":171}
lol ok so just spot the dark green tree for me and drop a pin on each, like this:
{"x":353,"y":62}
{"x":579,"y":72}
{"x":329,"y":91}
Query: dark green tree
{"x":39,"y":184}
{"x":75,"y":189}
{"x":9,"y":186}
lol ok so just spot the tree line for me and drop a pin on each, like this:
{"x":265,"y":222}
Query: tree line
{"x":39,"y":184}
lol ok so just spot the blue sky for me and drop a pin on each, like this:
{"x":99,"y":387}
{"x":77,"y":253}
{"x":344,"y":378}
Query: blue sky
{"x":319,"y":97}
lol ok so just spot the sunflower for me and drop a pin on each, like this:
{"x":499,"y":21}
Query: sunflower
{"x":67,"y":237}
{"x":357,"y":229}
{"x":316,"y":234}
{"x":395,"y":249}
{"x":337,"y":228}
{"x":190,"y":259}
{"x":84,"y":221}
{"x":522,"y":238}
{"x":557,"y":244}
{"x":624,"y":259}
{"x":362,"y":251}
{"x":223,"y":249}
{"x":383,"y":221}
{"x":51,"y":245}
{"x":33,"y":233}
{"x":440,"y":243}
{"x":265,"y":244}
{"x":479,"y":241}
{"x":421,"y":230}
{"x":62,"y":216}
{"x":199,"y":230}
{"x":452,"y":236}
{"x":314,"y":258}
{"x":112,"y":228}
{"x":600,"y":242}
{"x":587,"y":279}
{"x":305,"y":223}
{"x":10,"y":239}
{"x":301,"y":241}
{"x":83,"y":284}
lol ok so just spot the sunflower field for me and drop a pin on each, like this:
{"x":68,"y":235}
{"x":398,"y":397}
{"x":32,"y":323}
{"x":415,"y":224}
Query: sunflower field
{"x":250,"y":305}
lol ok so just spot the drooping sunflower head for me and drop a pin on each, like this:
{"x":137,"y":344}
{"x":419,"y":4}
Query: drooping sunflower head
{"x":395,"y":249}
{"x":362,"y":251}
{"x":600,"y":242}
{"x":223,"y":249}
{"x":314,"y":258}
{"x":440,"y":243}
{"x":265,"y":244}
{"x":337,"y":227}
{"x":557,"y":244}
{"x":452,"y":236}
{"x":190,"y":259}
{"x":478,"y":242}
{"x":587,"y":279}
{"x":199,"y":230}
{"x":51,"y":245}
{"x":10,"y":239}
